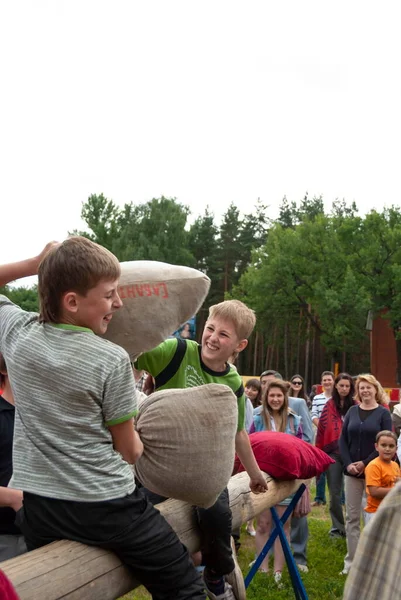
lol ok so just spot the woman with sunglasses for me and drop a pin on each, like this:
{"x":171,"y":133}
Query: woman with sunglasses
{"x":297,"y":389}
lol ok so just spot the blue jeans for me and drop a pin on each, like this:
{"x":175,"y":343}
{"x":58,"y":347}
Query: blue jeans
{"x":321,"y":488}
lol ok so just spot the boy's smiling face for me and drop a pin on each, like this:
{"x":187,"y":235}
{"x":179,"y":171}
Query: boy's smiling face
{"x":219,"y":342}
{"x":95,"y":309}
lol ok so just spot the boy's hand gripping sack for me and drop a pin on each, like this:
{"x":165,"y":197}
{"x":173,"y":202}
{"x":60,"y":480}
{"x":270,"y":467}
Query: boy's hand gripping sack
{"x":157,"y":299}
{"x":189,"y":442}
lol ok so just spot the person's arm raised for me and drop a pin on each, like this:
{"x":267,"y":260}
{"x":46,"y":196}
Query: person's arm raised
{"x":23,"y":268}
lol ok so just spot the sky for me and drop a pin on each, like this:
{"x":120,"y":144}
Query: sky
{"x":208,"y":102}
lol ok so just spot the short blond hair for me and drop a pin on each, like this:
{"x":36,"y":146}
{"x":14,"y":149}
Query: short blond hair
{"x":381,"y":396}
{"x":76,"y":265}
{"x":242,"y":317}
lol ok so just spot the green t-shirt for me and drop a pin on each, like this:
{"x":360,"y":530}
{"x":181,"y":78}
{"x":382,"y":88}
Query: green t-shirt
{"x":192,"y":372}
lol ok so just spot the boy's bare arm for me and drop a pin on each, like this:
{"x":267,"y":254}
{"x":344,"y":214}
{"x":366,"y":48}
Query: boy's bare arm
{"x":243,"y":448}
{"x":378,"y":492}
{"x":126,"y":441}
{"x":23,"y":268}
{"x":10,"y":497}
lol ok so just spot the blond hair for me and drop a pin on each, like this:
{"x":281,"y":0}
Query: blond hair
{"x":381,"y":396}
{"x":284,"y":411}
{"x":242,"y":317}
{"x":76,"y":265}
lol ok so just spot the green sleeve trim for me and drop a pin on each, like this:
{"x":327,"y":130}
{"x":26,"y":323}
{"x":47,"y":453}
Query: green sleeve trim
{"x":70,"y":327}
{"x":241,"y":413}
{"x":121,"y":419}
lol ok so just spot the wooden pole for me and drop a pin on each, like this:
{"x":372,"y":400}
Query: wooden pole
{"x":68,"y":570}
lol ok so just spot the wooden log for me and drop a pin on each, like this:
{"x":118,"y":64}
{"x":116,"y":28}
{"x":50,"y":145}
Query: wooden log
{"x":68,"y":570}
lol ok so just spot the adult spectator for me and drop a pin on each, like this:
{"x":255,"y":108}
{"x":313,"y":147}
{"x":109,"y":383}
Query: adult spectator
{"x":297,"y":389}
{"x":318,"y":404}
{"x":357,"y":448}
{"x":275,"y":415}
{"x":299,"y":526}
{"x":327,"y":439}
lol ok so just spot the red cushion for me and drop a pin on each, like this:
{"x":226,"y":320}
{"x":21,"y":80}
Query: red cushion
{"x":7,"y":591}
{"x":284,"y":456}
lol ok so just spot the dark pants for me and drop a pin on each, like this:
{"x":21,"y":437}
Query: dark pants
{"x":215,"y":528}
{"x":11,"y":546}
{"x":335,"y":480}
{"x":131,"y":527}
{"x":321,"y":488}
{"x":299,"y":539}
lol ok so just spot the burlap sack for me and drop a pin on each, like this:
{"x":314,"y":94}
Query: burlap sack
{"x":157,"y":299}
{"x":189,"y":442}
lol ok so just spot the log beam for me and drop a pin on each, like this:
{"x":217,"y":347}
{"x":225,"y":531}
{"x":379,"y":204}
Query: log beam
{"x":68,"y":570}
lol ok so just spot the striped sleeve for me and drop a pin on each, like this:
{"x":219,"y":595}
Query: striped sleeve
{"x":119,"y":398}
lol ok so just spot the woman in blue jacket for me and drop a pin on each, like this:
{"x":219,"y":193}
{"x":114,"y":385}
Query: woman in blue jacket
{"x":357,"y":448}
{"x":275,"y":415}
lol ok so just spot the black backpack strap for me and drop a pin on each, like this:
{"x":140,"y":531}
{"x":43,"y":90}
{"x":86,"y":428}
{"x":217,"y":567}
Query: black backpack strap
{"x":240,"y":391}
{"x":171,"y":369}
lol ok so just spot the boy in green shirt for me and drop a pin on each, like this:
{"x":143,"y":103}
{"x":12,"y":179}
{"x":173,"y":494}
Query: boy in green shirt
{"x":183,"y":363}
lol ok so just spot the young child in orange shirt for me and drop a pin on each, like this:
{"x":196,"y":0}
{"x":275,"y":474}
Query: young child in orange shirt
{"x":382,"y":473}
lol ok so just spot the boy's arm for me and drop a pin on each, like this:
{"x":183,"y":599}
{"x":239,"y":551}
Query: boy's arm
{"x":11,"y":497}
{"x":378,"y":492}
{"x":126,"y":441}
{"x":243,"y":448}
{"x":155,"y":360}
{"x":23,"y":268}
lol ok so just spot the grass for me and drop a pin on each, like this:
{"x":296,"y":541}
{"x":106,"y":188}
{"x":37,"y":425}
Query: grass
{"x":325,"y":560}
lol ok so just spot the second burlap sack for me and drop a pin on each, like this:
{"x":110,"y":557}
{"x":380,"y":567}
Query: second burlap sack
{"x":189,"y":442}
{"x":157,"y":299}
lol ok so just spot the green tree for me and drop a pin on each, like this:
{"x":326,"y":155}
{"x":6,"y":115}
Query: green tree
{"x":204,"y":247}
{"x":306,"y":270}
{"x":229,"y":247}
{"x":288,"y":213}
{"x":101,"y":217}
{"x":252,"y":235}
{"x":26,"y":298}
{"x":155,"y":230}
{"x":377,"y":255}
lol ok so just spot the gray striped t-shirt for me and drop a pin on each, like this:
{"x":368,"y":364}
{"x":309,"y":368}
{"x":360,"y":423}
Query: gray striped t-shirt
{"x":69,"y":385}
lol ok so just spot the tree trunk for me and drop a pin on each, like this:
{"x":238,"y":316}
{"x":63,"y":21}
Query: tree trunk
{"x":286,"y":375}
{"x":255,"y":353}
{"x":344,"y":358}
{"x":307,"y":345}
{"x":314,"y":377}
{"x":226,"y":276}
{"x":262,"y":352}
{"x":299,"y":341}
